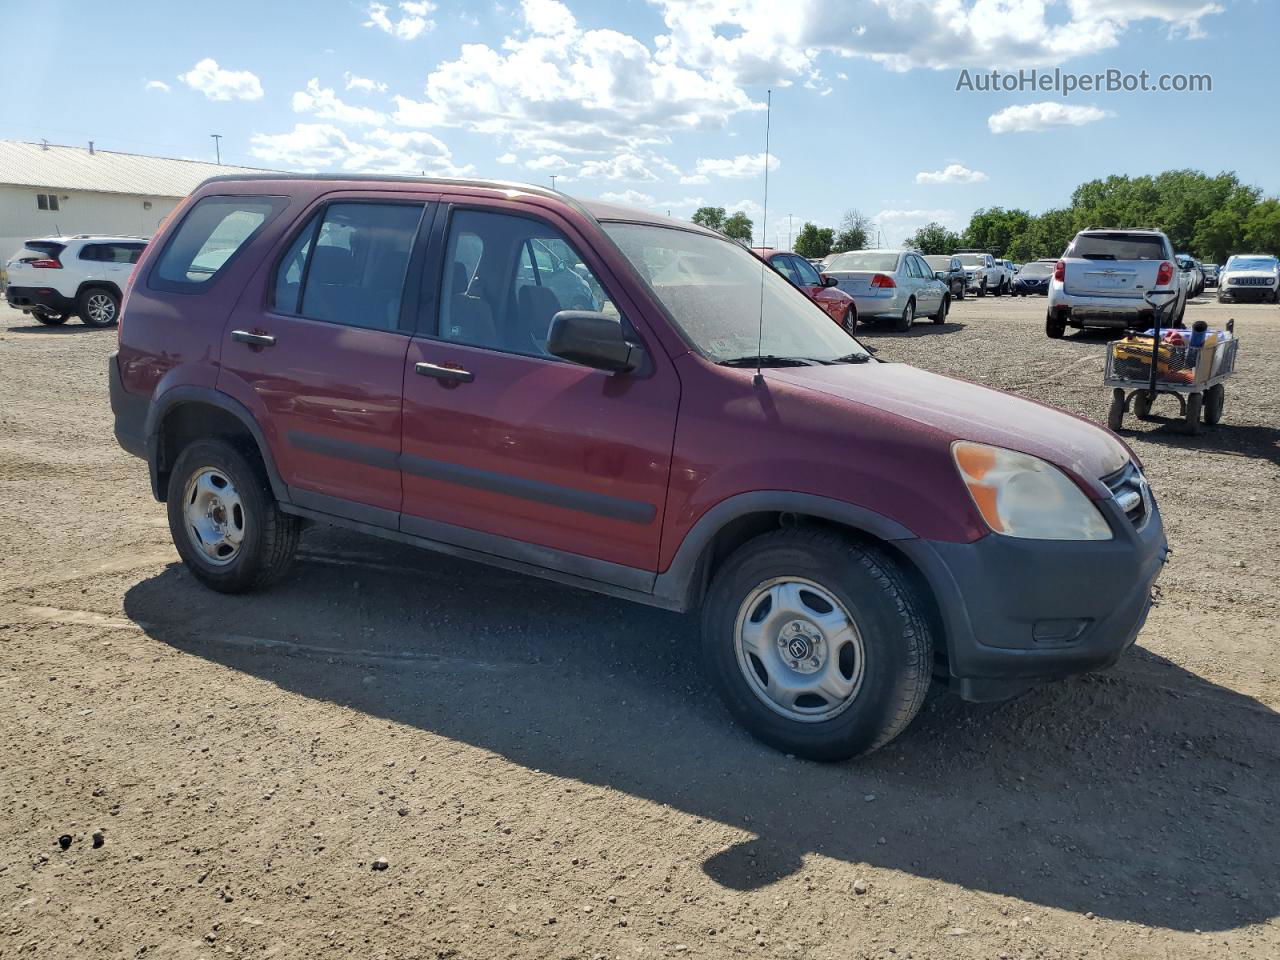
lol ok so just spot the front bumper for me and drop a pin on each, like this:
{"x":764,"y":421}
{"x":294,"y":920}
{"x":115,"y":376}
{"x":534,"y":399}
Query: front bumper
{"x":1019,"y":612}
{"x":1250,"y":294}
{"x":28,"y":298}
{"x":1030,"y":288}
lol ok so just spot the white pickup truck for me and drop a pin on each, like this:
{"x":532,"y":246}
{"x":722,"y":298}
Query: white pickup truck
{"x":983,"y":273}
{"x":1103,"y":278}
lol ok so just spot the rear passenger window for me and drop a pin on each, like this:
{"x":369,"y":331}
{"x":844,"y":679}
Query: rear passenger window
{"x":348,"y":266}
{"x":211,"y":233}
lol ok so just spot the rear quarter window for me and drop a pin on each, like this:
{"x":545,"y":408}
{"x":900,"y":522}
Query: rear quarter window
{"x":209,"y":237}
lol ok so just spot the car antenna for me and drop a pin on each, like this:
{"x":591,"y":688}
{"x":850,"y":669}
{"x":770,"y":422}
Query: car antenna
{"x":764,"y":223}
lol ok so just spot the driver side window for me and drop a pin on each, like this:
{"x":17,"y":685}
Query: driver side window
{"x":506,"y":277}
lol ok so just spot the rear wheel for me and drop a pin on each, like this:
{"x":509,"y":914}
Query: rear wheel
{"x":1215,"y":399}
{"x":98,"y":307}
{"x":1142,"y":404}
{"x":48,"y":317}
{"x":1194,"y":404}
{"x":225,"y":521}
{"x":1053,"y":327}
{"x":818,"y":645}
{"x":908,"y":317}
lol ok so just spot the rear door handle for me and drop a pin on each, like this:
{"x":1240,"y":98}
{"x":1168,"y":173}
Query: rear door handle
{"x":455,"y":374}
{"x":253,"y":339}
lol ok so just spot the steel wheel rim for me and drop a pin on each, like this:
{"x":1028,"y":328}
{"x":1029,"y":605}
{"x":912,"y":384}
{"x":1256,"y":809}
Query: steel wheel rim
{"x":213,"y":515}
{"x":101,"y":308}
{"x":908,"y":313}
{"x":799,"y":650}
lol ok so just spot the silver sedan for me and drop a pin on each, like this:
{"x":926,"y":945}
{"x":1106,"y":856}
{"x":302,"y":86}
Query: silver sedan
{"x":895,"y":284}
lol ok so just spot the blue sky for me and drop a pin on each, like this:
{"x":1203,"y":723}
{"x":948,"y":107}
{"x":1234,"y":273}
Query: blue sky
{"x":659,"y":102}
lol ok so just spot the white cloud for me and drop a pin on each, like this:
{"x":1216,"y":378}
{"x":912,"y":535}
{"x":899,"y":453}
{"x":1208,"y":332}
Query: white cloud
{"x":1033,"y":117}
{"x":324,"y":103}
{"x":412,"y":23}
{"x":551,"y":161}
{"x":508,"y":158}
{"x":628,"y":198}
{"x":363,"y":84}
{"x":897,"y":225}
{"x":322,"y":146}
{"x":735,"y":168}
{"x":627,"y":166}
{"x":748,"y":42}
{"x":952,"y":173}
{"x":157,"y":85}
{"x":218,"y":84}
{"x":554,"y":87}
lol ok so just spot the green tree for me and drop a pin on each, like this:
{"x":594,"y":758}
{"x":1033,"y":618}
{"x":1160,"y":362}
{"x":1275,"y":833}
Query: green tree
{"x":1262,"y":228}
{"x":738,"y":227}
{"x":995,"y":229}
{"x":814,"y":242}
{"x":710,"y":217}
{"x":934,"y":238}
{"x":855,"y":232}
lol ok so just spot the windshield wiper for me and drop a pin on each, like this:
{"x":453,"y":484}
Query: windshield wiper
{"x":766,"y":360}
{"x":852,"y":358}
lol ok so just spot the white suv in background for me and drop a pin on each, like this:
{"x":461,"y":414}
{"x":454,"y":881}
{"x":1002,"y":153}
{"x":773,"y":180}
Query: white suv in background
{"x":52,"y":278}
{"x":1102,"y":280}
{"x":1250,"y":276}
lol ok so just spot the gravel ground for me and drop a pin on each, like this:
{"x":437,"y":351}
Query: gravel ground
{"x":543,"y":772}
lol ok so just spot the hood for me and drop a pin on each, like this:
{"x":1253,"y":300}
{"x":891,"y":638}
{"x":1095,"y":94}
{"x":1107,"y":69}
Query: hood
{"x":959,"y":410}
{"x":1253,"y":272}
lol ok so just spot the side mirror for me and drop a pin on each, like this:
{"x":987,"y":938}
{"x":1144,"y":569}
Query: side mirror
{"x":592,"y":340}
{"x":829,"y":281}
{"x":940,"y":274}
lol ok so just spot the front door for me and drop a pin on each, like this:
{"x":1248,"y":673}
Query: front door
{"x":323,"y":359}
{"x":510,"y":450}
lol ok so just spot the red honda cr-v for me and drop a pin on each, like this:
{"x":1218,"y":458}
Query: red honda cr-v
{"x":625,"y":403}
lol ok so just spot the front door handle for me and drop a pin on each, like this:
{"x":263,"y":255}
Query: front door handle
{"x":253,"y":339}
{"x":456,"y":374}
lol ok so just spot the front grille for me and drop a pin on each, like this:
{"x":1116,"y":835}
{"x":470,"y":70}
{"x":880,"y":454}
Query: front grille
{"x":1251,"y":281}
{"x":1129,"y":490}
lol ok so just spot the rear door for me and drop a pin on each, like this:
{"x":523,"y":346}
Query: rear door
{"x":508,"y":449}
{"x":323,"y":356}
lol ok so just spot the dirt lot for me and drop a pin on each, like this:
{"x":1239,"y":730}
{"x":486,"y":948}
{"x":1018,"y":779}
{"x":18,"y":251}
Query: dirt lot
{"x":544,"y":770}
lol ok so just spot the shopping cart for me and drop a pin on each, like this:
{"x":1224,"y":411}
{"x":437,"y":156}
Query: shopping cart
{"x":1141,"y":368}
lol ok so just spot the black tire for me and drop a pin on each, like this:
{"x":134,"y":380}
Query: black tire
{"x":943,"y":309}
{"x":49,"y":319}
{"x":270,"y":536}
{"x":850,"y":320}
{"x":98,"y":307}
{"x":982,"y":289}
{"x":1054,"y":328}
{"x":1191,"y":422}
{"x":903,"y":323}
{"x":1215,"y":399}
{"x":1273,"y":296}
{"x":1115,"y":416}
{"x":1142,"y":405}
{"x":885,"y":607}
{"x":961,"y":294}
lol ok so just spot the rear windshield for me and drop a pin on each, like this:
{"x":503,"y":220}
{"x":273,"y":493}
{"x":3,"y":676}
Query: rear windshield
{"x":973,"y":259}
{"x":39,"y":250}
{"x":1117,"y":246}
{"x":211,"y":233}
{"x":863,"y":260}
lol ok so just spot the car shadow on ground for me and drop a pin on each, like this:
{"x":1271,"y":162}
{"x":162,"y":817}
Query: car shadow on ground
{"x":1147,"y":794}
{"x":876,"y":329}
{"x":71,"y":326}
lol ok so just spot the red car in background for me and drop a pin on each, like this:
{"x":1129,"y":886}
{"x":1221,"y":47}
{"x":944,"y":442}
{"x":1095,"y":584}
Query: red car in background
{"x":820,"y":288}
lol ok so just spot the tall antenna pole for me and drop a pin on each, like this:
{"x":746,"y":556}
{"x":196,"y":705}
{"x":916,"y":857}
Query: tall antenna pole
{"x":764,"y":223}
{"x":553,"y":181}
{"x":789,"y":216}
{"x":217,"y":146}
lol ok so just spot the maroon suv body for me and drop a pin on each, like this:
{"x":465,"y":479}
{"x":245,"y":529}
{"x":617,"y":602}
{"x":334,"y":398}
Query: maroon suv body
{"x":622,"y":402}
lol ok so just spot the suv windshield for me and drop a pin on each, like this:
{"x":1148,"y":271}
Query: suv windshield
{"x":1036,"y":270}
{"x":1252,"y":263}
{"x":712,"y":289}
{"x":1117,"y":246}
{"x":862,"y":260}
{"x":939,"y":263}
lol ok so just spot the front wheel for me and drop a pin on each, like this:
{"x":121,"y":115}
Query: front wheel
{"x":943,"y":308}
{"x":1191,"y":423}
{"x":850,"y":323}
{"x":982,"y":289}
{"x":1215,"y":398}
{"x":908,"y":317}
{"x":225,"y":521}
{"x":98,"y":307}
{"x":1115,"y":416}
{"x":818,"y":645}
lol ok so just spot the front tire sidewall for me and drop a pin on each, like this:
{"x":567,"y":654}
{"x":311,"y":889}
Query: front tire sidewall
{"x":896,"y":642}
{"x":943,"y":309}
{"x":250,"y":565}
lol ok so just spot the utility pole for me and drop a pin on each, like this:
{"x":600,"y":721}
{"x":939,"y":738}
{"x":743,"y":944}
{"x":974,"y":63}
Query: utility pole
{"x":553,"y":181}
{"x":217,"y":146}
{"x":789,"y":216}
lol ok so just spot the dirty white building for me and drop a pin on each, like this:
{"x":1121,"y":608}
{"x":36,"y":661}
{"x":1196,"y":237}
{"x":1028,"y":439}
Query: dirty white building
{"x":50,"y":190}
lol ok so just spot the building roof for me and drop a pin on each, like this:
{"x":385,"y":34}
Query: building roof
{"x":104,"y":171}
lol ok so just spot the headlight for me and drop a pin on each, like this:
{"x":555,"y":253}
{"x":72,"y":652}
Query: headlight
{"x":1023,"y":496}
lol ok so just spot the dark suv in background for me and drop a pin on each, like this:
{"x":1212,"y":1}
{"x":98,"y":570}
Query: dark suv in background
{"x":407,"y":358}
